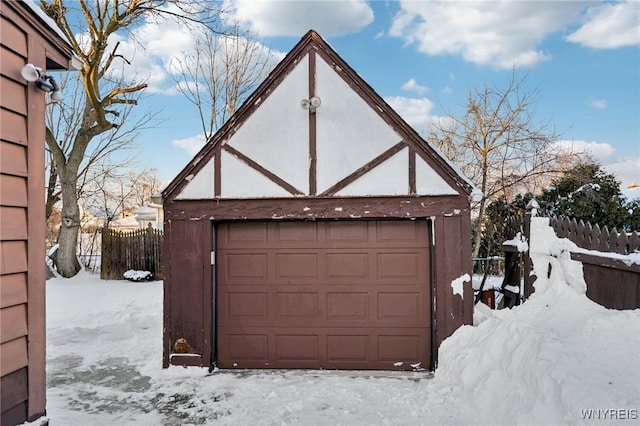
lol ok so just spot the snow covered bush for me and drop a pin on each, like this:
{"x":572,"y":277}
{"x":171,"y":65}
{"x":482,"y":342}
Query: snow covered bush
{"x":138,"y":276}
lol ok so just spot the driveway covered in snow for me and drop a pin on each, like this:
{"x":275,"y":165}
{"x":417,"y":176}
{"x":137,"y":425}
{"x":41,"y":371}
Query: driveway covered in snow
{"x":557,"y":359}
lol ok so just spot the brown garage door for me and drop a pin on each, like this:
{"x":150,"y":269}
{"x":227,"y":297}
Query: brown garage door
{"x":334,"y":295}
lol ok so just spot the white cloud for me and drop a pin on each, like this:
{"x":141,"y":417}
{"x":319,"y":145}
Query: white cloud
{"x":416,"y":112}
{"x":598,"y":103}
{"x":192,"y":144}
{"x":598,"y":150}
{"x":610,"y":26}
{"x":154,"y":47}
{"x":497,"y":33}
{"x":413,"y":86}
{"x":626,"y":169}
{"x":295,"y":18}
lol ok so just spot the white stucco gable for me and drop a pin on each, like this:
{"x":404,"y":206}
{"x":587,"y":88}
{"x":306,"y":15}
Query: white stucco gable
{"x":351,"y":145}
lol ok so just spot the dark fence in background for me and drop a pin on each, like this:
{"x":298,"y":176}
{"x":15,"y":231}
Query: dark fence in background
{"x":611,"y":282}
{"x":139,"y":250}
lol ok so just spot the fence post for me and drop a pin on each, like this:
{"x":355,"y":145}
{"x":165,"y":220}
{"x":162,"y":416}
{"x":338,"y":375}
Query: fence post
{"x":529,"y":277}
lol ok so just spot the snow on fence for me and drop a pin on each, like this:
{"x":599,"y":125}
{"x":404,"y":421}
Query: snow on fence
{"x":610,"y":259}
{"x":134,"y":250}
{"x":591,"y":237}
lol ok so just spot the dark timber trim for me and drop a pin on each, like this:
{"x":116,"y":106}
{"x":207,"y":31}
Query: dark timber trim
{"x":312,"y":128}
{"x":317,"y":208}
{"x":364,"y":169}
{"x":412,"y":171}
{"x":217,"y":173}
{"x":270,"y":175}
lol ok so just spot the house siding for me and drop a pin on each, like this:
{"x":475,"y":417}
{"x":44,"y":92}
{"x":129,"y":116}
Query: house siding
{"x":24,"y":38}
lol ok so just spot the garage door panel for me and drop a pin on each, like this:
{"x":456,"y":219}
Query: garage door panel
{"x":298,"y":347}
{"x":396,"y":348}
{"x":295,"y":305}
{"x":324,"y":295}
{"x":251,"y":234}
{"x":238,"y":267}
{"x":245,"y":346}
{"x":344,"y":347}
{"x":405,"y":233}
{"x":347,"y":265}
{"x":347,"y":306}
{"x":247,"y":304}
{"x":347,"y":233}
{"x":399,"y":265}
{"x":296,"y":265}
{"x":294,"y":232}
{"x":399,"y":305}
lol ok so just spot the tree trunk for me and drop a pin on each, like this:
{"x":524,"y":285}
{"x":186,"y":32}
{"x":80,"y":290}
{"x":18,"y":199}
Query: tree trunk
{"x":67,"y":263}
{"x":478,"y":237}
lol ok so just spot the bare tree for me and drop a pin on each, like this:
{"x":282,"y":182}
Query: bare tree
{"x":103,"y":100}
{"x":498,"y":144}
{"x":63,"y":121}
{"x":143,"y":186}
{"x":219,"y":74}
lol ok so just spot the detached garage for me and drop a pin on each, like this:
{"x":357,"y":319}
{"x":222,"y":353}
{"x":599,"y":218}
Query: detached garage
{"x":316,"y":229}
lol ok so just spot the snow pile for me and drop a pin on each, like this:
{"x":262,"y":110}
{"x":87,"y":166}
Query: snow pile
{"x":133,"y":275}
{"x":545,"y":361}
{"x":520,"y":242}
{"x":540,"y":363}
{"x":457,"y":285}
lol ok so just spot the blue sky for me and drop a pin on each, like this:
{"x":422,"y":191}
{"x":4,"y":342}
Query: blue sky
{"x":423,"y":57}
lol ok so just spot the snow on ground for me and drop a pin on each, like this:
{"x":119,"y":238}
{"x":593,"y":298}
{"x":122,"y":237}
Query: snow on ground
{"x":548,"y":361}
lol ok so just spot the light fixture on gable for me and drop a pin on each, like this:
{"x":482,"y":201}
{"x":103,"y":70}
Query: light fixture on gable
{"x":43,"y":81}
{"x":311,"y":104}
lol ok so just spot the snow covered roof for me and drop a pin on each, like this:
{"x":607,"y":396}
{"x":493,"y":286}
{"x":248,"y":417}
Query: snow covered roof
{"x":75,"y":63}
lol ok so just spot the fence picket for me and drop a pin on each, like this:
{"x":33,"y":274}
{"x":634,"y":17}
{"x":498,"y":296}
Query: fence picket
{"x":137,"y":250}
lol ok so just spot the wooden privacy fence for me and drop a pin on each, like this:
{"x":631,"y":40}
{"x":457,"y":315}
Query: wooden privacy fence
{"x":139,"y":250}
{"x":611,"y":281}
{"x":591,"y":237}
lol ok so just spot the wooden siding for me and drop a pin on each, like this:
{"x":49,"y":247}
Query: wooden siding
{"x":13,"y":223}
{"x":13,"y":257}
{"x":452,"y":258}
{"x":187,"y":285}
{"x":24,"y":38}
{"x":13,"y":322}
{"x":14,"y":190}
{"x":13,"y":290}
{"x":14,"y":158}
{"x":14,"y":128}
{"x":14,"y":355}
{"x":14,"y":395}
{"x":13,"y":37}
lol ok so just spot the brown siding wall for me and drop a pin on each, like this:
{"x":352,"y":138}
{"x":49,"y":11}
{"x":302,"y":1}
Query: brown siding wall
{"x":188,"y":296}
{"x":188,"y":287}
{"x":452,"y":258}
{"x":24,"y":39}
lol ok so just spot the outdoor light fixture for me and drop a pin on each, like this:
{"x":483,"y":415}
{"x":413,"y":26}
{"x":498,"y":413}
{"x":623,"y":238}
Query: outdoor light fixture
{"x":310,"y":104}
{"x":43,"y":81}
